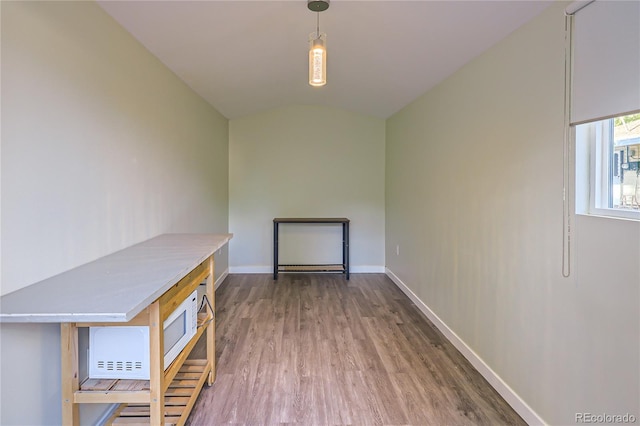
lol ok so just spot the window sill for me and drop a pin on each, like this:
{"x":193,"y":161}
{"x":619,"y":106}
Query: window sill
{"x":632,"y":215}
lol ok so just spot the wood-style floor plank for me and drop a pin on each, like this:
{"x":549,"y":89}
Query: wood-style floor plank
{"x":315,"y":349}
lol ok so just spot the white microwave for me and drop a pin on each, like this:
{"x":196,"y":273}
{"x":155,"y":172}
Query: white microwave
{"x":123,"y":352}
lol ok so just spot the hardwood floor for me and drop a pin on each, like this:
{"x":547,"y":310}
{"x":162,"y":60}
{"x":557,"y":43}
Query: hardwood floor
{"x":315,"y":349}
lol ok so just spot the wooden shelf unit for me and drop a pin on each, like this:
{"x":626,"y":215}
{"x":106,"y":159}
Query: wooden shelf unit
{"x":140,"y":285}
{"x":169,"y":395}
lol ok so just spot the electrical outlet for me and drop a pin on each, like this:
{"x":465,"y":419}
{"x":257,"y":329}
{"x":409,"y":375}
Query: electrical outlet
{"x":398,"y":250}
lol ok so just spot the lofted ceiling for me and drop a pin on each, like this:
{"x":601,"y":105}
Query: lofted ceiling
{"x":244,"y":57}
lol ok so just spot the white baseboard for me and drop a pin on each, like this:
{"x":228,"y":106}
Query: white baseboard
{"x":221,"y":278}
{"x":358,"y":269}
{"x":512,"y":398}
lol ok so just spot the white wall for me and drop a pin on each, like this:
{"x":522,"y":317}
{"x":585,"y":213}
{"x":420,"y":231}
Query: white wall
{"x":306,"y":161}
{"x":102,"y":147}
{"x":474,"y":200}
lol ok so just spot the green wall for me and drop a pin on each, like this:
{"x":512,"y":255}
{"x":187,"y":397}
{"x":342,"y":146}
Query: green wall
{"x":102,"y":147}
{"x":306,"y":161}
{"x":474,"y":202}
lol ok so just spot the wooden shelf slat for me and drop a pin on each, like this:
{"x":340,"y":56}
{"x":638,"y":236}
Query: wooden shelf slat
{"x":111,"y":397}
{"x":143,"y":411}
{"x":177,"y":364}
{"x":141,"y":421}
{"x":180,"y":397}
{"x":176,"y":400}
{"x":98,"y":384}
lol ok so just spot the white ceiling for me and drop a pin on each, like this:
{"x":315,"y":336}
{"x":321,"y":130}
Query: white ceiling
{"x":247,"y":56}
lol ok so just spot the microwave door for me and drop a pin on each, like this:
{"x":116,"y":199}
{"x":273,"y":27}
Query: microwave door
{"x":174,"y":332}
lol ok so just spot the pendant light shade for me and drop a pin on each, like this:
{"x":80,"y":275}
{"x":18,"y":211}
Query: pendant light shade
{"x":317,"y":47}
{"x":317,"y":59}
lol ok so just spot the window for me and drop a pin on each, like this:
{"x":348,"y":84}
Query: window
{"x":602,"y":107}
{"x":608,"y":167}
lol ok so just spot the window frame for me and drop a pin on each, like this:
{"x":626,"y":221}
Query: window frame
{"x":599,"y":176}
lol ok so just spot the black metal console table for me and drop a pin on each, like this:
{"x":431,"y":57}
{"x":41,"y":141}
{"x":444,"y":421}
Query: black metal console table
{"x":342,"y":268}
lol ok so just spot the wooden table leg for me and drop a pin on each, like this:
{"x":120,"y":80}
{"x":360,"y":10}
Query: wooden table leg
{"x":211,"y":329}
{"x":69,"y":369}
{"x":156,"y":364}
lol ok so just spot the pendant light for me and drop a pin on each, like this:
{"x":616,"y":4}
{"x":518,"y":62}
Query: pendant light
{"x":318,"y":47}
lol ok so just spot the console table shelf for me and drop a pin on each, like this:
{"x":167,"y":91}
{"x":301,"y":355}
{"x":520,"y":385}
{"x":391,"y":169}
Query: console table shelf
{"x":341,"y":268}
{"x":311,"y":268}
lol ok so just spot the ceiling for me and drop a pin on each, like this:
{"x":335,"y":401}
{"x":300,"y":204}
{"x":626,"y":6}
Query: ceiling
{"x":244,"y":57}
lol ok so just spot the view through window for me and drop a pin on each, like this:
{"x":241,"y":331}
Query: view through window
{"x":625,"y":173}
{"x":608,"y":167}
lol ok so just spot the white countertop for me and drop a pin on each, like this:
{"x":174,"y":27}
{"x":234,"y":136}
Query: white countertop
{"x":114,"y":288}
